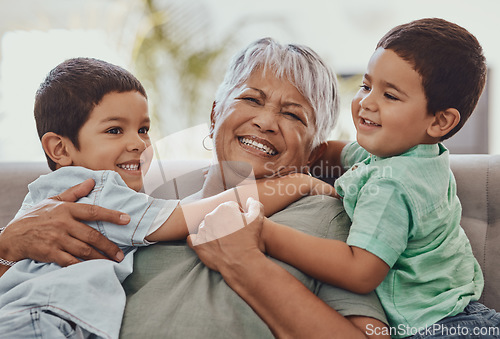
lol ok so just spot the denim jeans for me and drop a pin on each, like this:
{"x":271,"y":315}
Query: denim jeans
{"x":37,"y":323}
{"x":476,"y":321}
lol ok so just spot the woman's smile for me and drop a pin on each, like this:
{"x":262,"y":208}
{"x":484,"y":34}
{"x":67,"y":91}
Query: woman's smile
{"x":257,"y":145}
{"x":269,"y":124}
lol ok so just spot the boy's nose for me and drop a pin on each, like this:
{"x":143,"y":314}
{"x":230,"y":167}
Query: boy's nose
{"x":368,"y":102}
{"x":136,"y":144}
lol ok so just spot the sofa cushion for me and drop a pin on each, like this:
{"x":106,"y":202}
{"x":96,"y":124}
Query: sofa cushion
{"x":478,"y":178}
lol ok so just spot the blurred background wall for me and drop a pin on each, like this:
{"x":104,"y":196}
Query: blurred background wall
{"x":179,"y":50}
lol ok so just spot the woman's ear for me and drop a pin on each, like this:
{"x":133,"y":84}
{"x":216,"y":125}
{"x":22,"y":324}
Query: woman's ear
{"x":443,"y":122}
{"x":56,"y":148}
{"x":212,"y":120}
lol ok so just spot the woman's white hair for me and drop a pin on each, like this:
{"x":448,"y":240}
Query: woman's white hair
{"x":298,"y":64}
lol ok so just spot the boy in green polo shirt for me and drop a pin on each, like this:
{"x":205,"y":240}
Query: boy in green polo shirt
{"x":422,"y":83}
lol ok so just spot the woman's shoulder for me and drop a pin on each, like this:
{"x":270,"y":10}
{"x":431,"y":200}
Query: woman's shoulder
{"x":315,"y":215}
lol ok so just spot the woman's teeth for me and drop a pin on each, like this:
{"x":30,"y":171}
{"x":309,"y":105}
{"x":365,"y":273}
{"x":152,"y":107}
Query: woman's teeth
{"x":258,"y":145}
{"x":130,"y":167}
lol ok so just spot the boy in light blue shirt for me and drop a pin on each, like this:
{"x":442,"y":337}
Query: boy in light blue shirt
{"x":421,"y":85}
{"x":92,"y":119}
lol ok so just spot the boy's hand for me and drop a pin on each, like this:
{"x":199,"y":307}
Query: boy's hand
{"x":227,"y":218}
{"x":319,"y":187}
{"x":222,"y":252}
{"x":309,"y":185}
{"x":52,"y":231}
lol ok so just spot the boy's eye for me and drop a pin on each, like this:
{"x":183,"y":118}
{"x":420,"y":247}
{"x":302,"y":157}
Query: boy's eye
{"x":114,"y":130}
{"x":143,"y":130}
{"x":365,"y":88}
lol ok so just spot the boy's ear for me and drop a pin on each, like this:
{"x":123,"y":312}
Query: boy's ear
{"x":57,"y":148}
{"x":443,"y":122}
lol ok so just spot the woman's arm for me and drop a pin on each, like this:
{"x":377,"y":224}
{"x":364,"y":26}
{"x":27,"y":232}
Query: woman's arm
{"x":282,"y":301}
{"x":52,"y":231}
{"x":285,"y":305}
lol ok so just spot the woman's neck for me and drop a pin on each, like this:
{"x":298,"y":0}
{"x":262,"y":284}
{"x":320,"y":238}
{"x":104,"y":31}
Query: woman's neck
{"x":226,"y":175}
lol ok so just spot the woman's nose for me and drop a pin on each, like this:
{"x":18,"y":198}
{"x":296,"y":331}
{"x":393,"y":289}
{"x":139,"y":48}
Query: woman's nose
{"x":266,"y":121}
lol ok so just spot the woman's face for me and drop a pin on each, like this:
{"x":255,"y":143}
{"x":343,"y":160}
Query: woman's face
{"x":267,"y":124}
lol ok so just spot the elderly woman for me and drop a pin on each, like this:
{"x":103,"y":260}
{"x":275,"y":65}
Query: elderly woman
{"x":274,"y":111}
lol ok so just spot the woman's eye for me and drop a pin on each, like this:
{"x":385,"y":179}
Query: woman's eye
{"x":114,"y":130}
{"x":293,"y":116}
{"x":251,"y":99}
{"x":365,"y":88}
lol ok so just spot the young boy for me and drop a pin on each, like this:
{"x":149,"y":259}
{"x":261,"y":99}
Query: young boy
{"x":422,"y":83}
{"x":92,"y":118}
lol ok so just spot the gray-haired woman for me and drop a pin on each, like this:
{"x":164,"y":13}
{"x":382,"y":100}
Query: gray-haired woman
{"x":274,"y":110}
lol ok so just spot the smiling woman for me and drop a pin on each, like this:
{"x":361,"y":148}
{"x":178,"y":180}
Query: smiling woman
{"x":273,"y":111}
{"x":271,"y":126}
{"x":282,"y":100}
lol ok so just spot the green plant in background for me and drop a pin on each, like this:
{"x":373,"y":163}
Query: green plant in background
{"x":178,"y":62}
{"x":348,"y":87}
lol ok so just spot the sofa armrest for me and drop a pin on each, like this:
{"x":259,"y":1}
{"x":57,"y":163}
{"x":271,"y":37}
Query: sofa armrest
{"x":478,"y":178}
{"x":14,"y":180}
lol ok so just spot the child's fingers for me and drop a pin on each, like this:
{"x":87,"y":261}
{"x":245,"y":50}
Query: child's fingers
{"x":254,"y":210}
{"x":223,"y":220}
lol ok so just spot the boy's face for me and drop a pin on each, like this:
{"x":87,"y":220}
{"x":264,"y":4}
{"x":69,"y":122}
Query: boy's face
{"x":115,"y":136}
{"x":390,"y":109}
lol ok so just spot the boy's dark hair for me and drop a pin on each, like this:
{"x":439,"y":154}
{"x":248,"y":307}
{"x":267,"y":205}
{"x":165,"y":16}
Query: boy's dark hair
{"x":449,"y":59}
{"x":70,"y":92}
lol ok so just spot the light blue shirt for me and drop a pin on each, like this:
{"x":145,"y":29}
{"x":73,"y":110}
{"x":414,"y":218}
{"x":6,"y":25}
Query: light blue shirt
{"x":404,"y":209}
{"x":89,"y":293}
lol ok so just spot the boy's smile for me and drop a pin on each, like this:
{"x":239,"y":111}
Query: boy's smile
{"x":390,"y":109}
{"x":115,"y":136}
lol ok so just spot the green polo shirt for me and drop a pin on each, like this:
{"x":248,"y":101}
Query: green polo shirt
{"x":404,"y":209}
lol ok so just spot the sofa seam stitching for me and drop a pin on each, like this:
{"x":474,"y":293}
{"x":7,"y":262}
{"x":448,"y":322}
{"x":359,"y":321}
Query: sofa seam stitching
{"x":488,"y":216}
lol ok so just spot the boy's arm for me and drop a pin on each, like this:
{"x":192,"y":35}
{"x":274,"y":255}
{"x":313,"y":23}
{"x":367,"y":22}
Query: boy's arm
{"x":274,"y":194}
{"x":281,"y":300}
{"x":328,"y":260}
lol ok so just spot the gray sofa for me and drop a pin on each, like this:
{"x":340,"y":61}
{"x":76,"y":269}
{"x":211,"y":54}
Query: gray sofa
{"x":478,"y":180}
